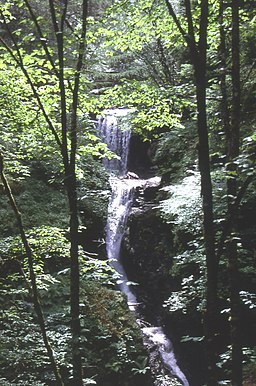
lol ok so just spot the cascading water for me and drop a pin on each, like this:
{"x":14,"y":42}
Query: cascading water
{"x":123,"y":193}
{"x":119,"y":207}
{"x":116,"y":139}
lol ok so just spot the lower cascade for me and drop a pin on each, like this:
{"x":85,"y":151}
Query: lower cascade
{"x":122,"y":198}
{"x":123,"y":192}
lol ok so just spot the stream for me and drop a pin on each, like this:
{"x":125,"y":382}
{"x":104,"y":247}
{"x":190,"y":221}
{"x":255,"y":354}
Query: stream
{"x":124,"y":187}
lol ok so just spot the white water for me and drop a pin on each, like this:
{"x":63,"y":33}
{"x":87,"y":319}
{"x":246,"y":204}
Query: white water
{"x":123,"y":192}
{"x":122,"y":198}
{"x":116,"y":139}
{"x":158,"y":337}
{"x":119,"y":207}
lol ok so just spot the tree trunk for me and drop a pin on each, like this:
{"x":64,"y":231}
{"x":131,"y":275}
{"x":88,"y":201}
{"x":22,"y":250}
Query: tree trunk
{"x":68,"y":149}
{"x":224,"y":105}
{"x":74,"y":281}
{"x":233,"y":152}
{"x":69,"y":161}
{"x":33,"y":284}
{"x":71,"y":184}
{"x":210,"y":318}
{"x":199,"y":57}
{"x":198,"y":53}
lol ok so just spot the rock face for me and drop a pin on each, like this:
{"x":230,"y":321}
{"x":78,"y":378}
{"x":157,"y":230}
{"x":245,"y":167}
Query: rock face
{"x":147,"y":251}
{"x":162,"y":359}
{"x":147,"y":254}
{"x":139,"y":159}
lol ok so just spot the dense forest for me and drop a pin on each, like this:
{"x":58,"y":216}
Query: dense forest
{"x":179,"y":77}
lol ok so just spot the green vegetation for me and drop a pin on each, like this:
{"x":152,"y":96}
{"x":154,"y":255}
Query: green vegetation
{"x":187,"y":73}
{"x":109,"y":332}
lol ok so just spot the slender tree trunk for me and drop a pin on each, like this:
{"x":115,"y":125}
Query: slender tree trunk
{"x":198,"y":54}
{"x":71,"y":184}
{"x":210,"y":318}
{"x":74,"y":281}
{"x":33,"y":289}
{"x":69,"y":161}
{"x":68,"y":151}
{"x":233,"y":152}
{"x":199,"y":59}
{"x":224,"y":105}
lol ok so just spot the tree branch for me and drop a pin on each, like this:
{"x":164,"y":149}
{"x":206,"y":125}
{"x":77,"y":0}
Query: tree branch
{"x":63,"y":16}
{"x":202,"y":44}
{"x":19,"y":61}
{"x":191,"y":33}
{"x":190,"y":36}
{"x":176,"y":20}
{"x":79,"y":65}
{"x":42,"y":37}
{"x":59,"y":38}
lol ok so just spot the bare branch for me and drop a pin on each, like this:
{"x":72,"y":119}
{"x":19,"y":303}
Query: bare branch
{"x":63,"y":16}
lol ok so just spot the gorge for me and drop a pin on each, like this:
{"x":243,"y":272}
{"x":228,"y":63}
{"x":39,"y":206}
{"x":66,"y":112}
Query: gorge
{"x":124,"y":192}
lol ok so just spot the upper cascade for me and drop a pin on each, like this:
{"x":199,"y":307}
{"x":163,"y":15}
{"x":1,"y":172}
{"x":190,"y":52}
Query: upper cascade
{"x":117,"y":139}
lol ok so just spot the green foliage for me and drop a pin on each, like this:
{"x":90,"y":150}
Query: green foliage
{"x":23,"y":358}
{"x":140,"y":51}
{"x":39,"y":202}
{"x":189,"y":267}
{"x":152,"y":109}
{"x":116,"y":342}
{"x":184,"y":207}
{"x":109,"y":331}
{"x":112,"y":333}
{"x":30,"y":93}
{"x":141,"y":366}
{"x":136,"y":59}
{"x":94,"y":191}
{"x":248,"y":360}
{"x":24,"y":132}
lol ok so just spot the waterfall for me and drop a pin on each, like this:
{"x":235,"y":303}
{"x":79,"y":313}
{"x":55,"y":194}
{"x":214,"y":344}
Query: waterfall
{"x":116,"y":139}
{"x":122,"y":198}
{"x":119,"y":207}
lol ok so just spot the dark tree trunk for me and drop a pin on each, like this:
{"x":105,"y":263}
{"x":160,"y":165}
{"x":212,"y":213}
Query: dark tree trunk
{"x":198,"y":53}
{"x":233,"y":152}
{"x":210,"y":318}
{"x":224,"y":104}
{"x":74,"y":281}
{"x":69,"y":161}
{"x":71,"y":184}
